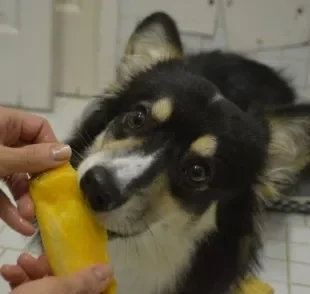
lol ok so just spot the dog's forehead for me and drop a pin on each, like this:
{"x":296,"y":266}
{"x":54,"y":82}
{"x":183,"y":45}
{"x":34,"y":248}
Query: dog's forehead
{"x":183,"y":103}
{"x":205,"y":131}
{"x":175,"y":82}
{"x":189,"y":105}
{"x":197,"y":113}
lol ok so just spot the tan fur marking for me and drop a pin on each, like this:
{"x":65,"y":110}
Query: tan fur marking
{"x":204,"y":146}
{"x":96,"y":146}
{"x":163,"y":208}
{"x":107,"y":142}
{"x":288,"y":155}
{"x":164,"y":205}
{"x":162,"y":109}
{"x":113,"y":88}
{"x":123,"y":144}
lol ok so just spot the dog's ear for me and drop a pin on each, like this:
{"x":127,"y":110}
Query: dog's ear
{"x":156,"y":38}
{"x":289,"y":149}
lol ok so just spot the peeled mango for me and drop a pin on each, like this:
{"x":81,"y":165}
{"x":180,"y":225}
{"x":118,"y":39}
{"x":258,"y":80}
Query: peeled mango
{"x":71,"y":237}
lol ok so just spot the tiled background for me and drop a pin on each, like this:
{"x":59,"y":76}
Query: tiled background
{"x":286,"y":258}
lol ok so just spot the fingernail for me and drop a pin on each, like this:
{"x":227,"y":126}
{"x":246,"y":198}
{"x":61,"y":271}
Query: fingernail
{"x":61,"y":153}
{"x":103,"y":272}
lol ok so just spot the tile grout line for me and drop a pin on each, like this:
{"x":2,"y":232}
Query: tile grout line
{"x":308,"y":67}
{"x":301,"y":285}
{"x":288,"y":265}
{"x":3,"y":225}
{"x":2,"y":253}
{"x":14,"y":249}
{"x":301,"y":243}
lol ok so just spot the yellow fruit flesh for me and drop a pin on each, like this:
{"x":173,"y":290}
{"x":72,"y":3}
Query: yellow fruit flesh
{"x":254,"y":286}
{"x":71,"y":238}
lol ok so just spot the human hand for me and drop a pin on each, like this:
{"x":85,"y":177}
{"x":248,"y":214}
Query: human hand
{"x":32,"y":275}
{"x":27,"y":146}
{"x":27,"y":269}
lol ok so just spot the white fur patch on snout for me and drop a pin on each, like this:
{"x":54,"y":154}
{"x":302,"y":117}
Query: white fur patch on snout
{"x":129,"y":168}
{"x":124,"y":168}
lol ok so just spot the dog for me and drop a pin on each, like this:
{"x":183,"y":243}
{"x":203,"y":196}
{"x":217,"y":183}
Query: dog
{"x":177,"y":157}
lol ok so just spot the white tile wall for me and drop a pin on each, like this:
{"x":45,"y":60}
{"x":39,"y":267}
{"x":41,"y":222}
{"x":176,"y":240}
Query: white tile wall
{"x":276,"y":250}
{"x":280,"y":288}
{"x":286,"y":261}
{"x":299,"y":253}
{"x":300,"y":290}
{"x":274,"y":270}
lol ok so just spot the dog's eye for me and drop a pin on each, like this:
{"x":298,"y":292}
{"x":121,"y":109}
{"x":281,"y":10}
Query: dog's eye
{"x":198,"y":173}
{"x":136,"y":119}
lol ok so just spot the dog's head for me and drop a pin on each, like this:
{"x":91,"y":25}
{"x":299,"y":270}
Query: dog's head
{"x":165,"y":146}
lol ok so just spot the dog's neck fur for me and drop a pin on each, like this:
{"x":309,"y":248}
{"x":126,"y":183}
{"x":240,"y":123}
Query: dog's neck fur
{"x":152,"y":262}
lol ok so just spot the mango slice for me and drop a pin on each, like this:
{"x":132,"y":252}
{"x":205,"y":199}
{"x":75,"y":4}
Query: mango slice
{"x":71,"y":237}
{"x":254,"y":286}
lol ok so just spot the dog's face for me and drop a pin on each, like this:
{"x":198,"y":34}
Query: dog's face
{"x":174,"y":147}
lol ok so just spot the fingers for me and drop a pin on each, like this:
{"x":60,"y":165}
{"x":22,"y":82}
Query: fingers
{"x":31,"y":128}
{"x":32,"y":158}
{"x":14,"y":275}
{"x":92,"y":280}
{"x":36,"y":129}
{"x":19,"y":187}
{"x":33,"y":267}
{"x":18,"y":184}
{"x":25,"y":207}
{"x":45,"y":265}
{"x":11,"y":216}
{"x":28,"y":268}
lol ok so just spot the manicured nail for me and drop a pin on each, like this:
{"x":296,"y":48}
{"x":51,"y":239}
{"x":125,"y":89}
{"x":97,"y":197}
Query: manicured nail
{"x":61,"y":153}
{"x":103,"y":272}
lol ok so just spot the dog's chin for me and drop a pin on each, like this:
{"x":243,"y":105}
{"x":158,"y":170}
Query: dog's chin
{"x":130,"y":219}
{"x":120,"y":226}
{"x":120,"y":234}
{"x":115,"y":235}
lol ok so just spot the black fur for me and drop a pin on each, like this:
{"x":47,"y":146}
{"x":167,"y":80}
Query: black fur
{"x":251,"y":91}
{"x":246,"y":82}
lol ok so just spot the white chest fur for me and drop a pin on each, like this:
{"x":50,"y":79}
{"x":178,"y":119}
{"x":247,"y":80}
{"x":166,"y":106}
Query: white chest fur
{"x":151,"y":262}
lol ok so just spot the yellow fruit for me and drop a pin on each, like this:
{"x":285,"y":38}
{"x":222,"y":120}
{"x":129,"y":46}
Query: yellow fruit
{"x":254,"y":286}
{"x":71,"y":238}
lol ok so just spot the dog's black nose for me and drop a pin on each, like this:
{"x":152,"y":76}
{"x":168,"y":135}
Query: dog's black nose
{"x":100,"y":189}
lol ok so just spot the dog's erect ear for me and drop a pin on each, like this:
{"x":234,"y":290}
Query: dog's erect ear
{"x":155,"y":38}
{"x":157,"y":35}
{"x":289,"y":149}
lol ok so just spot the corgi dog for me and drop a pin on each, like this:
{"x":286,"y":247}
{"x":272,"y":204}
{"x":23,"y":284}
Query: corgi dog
{"x":178,"y":156}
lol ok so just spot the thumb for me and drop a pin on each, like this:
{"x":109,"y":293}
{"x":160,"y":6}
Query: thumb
{"x":92,"y":280}
{"x":32,"y":158}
